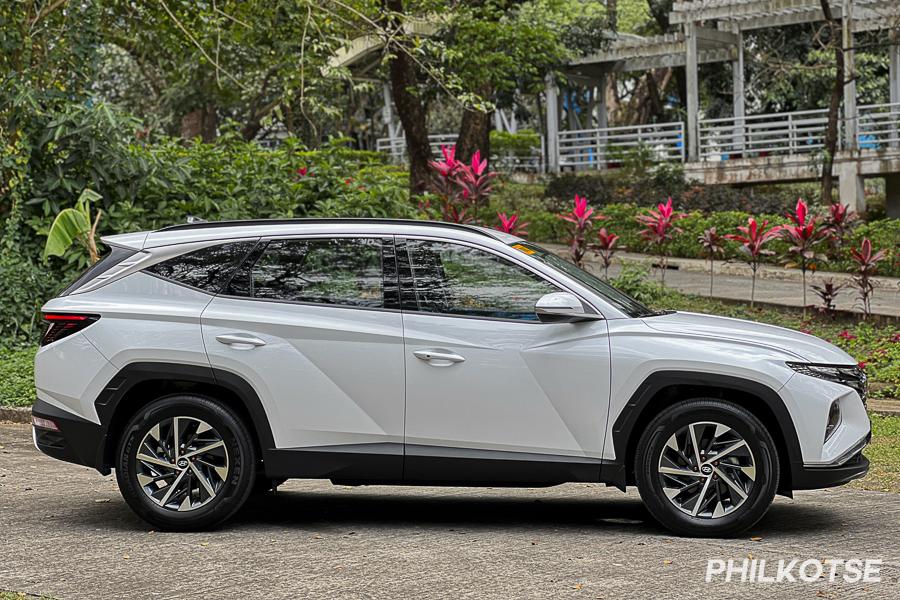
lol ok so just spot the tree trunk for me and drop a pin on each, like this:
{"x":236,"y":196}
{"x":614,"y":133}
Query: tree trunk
{"x":834,"y":106}
{"x":404,"y":80}
{"x":612,"y":15}
{"x":475,"y":130}
{"x":202,"y":122}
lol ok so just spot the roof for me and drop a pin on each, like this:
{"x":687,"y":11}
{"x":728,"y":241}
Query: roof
{"x":218,"y":230}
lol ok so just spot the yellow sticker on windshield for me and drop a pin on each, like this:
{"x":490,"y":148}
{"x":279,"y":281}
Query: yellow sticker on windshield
{"x":522,"y":248}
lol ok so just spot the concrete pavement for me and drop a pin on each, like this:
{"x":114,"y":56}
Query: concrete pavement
{"x":67,"y":533}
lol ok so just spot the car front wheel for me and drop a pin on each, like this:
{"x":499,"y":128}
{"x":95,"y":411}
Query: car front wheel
{"x":185,"y":462}
{"x":706,"y":467}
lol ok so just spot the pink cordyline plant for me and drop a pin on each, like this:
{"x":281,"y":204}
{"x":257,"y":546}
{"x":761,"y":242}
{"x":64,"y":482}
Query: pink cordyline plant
{"x":713,"y":243}
{"x":755,"y":237}
{"x":605,"y":248}
{"x":512,"y":225}
{"x":839,"y":222}
{"x":866,"y":264}
{"x":462,"y":188}
{"x":581,"y":219}
{"x":659,"y":229}
{"x":803,"y":235}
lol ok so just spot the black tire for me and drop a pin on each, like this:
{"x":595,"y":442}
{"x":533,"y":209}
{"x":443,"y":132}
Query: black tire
{"x":235,"y":486}
{"x":744,"y":423}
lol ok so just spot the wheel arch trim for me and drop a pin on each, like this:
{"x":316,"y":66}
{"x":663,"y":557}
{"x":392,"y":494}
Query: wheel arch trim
{"x":624,"y":433}
{"x":109,"y":401}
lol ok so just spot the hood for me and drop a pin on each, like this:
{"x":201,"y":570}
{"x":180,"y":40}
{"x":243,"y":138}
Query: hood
{"x":801,"y":346}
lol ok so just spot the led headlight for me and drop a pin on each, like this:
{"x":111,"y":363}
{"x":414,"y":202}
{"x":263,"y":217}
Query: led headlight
{"x":850,"y":375}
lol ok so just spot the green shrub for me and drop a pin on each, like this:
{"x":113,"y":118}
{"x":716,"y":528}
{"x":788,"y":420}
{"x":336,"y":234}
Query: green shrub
{"x":17,"y":376}
{"x":520,"y":144}
{"x":634,"y":280}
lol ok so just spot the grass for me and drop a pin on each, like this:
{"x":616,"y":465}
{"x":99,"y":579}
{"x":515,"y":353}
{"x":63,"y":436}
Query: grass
{"x":17,"y":377}
{"x":884,"y":454}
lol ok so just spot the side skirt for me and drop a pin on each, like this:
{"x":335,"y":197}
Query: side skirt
{"x":387,"y":464}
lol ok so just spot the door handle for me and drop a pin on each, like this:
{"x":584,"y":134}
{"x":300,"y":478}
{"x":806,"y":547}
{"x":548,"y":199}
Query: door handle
{"x":437,"y":357}
{"x":240,"y":339}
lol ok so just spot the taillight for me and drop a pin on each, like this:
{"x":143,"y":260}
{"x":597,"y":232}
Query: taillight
{"x":60,"y":325}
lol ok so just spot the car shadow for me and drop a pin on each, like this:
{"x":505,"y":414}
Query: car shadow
{"x":358,"y":507}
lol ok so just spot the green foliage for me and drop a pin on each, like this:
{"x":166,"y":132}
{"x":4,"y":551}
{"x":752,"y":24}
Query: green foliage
{"x":634,"y":280}
{"x":521,"y":144}
{"x":73,"y":225}
{"x":17,"y":376}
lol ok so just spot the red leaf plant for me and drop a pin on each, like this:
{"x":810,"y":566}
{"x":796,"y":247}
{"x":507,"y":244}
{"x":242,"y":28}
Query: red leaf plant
{"x":605,"y":248}
{"x":803,"y":235}
{"x":462,"y":188}
{"x":840,"y":222}
{"x":512,"y":225}
{"x":581,"y":219}
{"x":659,"y":229}
{"x":713,"y":243}
{"x":755,"y":237}
{"x":866,"y":264}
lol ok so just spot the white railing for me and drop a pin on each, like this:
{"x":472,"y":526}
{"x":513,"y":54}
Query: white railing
{"x":798,"y":132}
{"x":601,"y":148}
{"x":879,"y":126}
{"x":397,"y":147}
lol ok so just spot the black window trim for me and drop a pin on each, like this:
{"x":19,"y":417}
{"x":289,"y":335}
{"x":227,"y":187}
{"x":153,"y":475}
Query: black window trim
{"x":388,"y":242}
{"x":408,"y":294}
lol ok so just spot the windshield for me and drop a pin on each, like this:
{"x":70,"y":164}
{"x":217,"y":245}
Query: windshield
{"x":623,"y":302}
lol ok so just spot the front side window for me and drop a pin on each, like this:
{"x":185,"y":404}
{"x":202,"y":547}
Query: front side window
{"x":339,"y":271}
{"x":207,"y":269}
{"x":454,"y":279}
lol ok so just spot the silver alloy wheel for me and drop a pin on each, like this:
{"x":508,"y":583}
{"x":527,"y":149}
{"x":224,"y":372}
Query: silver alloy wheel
{"x":182,"y":463}
{"x":707,"y":470}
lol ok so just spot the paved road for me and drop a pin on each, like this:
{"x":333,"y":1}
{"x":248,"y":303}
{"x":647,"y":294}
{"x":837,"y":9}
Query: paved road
{"x":64,"y":531}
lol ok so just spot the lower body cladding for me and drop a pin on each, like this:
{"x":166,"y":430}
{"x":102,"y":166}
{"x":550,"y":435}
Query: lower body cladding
{"x":67,"y":437}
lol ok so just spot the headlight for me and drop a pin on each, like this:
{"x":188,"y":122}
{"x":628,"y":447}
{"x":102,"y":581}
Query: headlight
{"x":850,"y":375}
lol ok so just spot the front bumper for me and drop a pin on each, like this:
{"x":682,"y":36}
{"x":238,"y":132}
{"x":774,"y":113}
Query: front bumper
{"x":845,"y":470}
{"x":78,"y":441}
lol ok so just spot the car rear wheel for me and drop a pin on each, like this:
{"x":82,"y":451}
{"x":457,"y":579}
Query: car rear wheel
{"x":706,"y":467}
{"x":185,"y":462}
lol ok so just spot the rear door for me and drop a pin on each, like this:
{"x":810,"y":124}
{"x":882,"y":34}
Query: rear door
{"x":494,"y":394}
{"x":313,"y":324}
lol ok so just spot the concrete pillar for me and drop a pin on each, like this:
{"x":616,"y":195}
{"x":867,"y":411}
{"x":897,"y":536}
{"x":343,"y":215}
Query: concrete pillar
{"x":551,"y":152}
{"x":693,"y":92}
{"x":850,"y":186}
{"x":894,"y":51}
{"x":851,"y":116}
{"x":393,"y":128}
{"x":498,"y":120}
{"x":602,"y":122}
{"x":737,"y":94}
{"x":892,"y":195}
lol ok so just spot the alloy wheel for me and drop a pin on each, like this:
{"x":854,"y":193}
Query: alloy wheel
{"x":707,"y":470}
{"x":182,"y":463}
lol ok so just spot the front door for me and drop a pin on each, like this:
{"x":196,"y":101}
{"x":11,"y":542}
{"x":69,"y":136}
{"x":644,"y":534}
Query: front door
{"x":314,"y":326}
{"x":493,"y":393}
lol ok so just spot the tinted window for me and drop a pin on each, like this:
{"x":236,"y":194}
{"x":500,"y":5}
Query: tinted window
{"x":461,"y":280}
{"x":342,"y":271}
{"x":207,"y":269}
{"x":115,"y":256}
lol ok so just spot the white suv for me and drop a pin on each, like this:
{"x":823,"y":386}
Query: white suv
{"x":206,"y":361}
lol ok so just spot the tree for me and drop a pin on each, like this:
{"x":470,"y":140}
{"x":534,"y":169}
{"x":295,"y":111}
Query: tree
{"x":834,"y":107}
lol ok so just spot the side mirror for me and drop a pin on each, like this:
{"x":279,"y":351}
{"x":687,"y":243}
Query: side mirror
{"x":562,"y":307}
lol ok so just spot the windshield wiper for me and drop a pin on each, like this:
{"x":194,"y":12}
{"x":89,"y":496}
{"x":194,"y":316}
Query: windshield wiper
{"x":660,"y":313}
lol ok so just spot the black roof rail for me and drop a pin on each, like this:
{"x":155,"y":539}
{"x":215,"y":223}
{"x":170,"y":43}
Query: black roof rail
{"x":320,"y":220}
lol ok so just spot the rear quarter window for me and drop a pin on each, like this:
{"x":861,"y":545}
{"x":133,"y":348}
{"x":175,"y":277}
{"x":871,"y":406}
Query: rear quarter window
{"x":208,"y":269}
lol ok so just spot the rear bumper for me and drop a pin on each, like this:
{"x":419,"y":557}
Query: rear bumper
{"x":78,"y":441}
{"x":813,"y":478}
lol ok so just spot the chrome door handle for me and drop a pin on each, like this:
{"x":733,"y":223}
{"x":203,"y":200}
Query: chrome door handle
{"x":436,"y":357}
{"x":240,"y":339}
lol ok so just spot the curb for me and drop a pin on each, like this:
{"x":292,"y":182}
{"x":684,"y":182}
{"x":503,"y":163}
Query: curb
{"x":884,"y":406}
{"x":15,"y":414}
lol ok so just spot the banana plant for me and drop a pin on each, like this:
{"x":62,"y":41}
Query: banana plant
{"x":75,"y":225}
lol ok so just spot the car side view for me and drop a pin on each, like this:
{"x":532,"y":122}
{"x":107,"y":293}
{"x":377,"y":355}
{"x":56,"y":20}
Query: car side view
{"x":208,"y":361}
